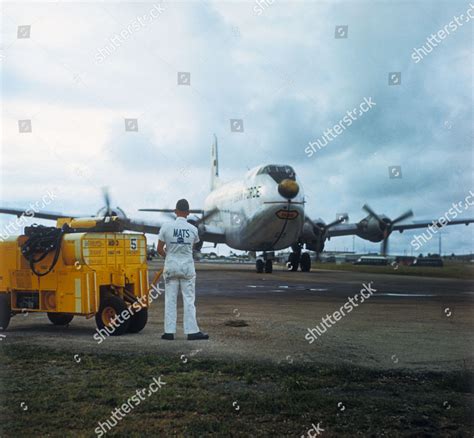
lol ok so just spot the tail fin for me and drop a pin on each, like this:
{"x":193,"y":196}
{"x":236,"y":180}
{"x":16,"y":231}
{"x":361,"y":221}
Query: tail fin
{"x":214,"y":165}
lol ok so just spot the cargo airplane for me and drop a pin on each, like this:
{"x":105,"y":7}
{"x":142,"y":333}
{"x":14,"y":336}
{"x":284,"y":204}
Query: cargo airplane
{"x":263,"y":212}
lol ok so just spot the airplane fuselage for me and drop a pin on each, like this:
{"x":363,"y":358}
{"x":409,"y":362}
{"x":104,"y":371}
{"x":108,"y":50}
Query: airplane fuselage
{"x":253,"y":213}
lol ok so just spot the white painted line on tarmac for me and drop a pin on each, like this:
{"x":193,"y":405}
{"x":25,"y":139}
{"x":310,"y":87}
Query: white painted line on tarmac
{"x":402,"y":295}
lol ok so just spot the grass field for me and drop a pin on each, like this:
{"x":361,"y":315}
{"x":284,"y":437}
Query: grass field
{"x":51,"y":393}
{"x":450,"y":270}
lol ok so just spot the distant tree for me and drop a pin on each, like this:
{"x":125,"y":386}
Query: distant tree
{"x":420,"y":256}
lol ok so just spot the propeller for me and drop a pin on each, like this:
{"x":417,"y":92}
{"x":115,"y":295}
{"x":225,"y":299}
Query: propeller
{"x":322,"y":231}
{"x":105,"y":192}
{"x":324,"y":227}
{"x":386,"y":225}
{"x":170,"y":213}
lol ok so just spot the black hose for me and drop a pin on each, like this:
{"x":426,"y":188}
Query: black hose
{"x":42,"y":241}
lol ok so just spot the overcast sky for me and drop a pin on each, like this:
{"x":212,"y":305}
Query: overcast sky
{"x":277,"y":67}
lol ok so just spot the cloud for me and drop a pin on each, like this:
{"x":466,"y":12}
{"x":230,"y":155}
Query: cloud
{"x":282,"y":72}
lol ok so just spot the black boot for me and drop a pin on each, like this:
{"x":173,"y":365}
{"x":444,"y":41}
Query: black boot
{"x":167,"y":336}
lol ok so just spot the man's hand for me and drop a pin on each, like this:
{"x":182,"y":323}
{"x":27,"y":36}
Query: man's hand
{"x":161,"y":248}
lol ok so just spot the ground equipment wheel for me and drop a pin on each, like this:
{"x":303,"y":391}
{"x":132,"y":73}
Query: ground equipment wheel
{"x":60,"y":318}
{"x":305,"y":262}
{"x":109,"y":309}
{"x":259,"y":265}
{"x":5,"y":311}
{"x":138,"y":321}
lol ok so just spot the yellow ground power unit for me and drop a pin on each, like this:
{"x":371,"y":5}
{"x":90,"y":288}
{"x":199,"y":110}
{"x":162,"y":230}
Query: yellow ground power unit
{"x":68,"y":270}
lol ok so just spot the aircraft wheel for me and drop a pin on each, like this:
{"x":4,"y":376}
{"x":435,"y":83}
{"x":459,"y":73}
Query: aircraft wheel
{"x":305,"y":262}
{"x":110,"y":308}
{"x":259,"y":266}
{"x":138,"y":321}
{"x":293,"y":261}
{"x":5,"y":311}
{"x":269,"y":266}
{"x":60,"y":318}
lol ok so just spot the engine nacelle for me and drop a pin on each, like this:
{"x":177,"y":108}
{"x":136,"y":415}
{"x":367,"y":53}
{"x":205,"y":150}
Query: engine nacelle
{"x":314,"y":236}
{"x":193,"y":220}
{"x":370,"y":229}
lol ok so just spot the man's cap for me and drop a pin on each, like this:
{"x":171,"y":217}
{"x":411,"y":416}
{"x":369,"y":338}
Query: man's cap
{"x":182,"y":205}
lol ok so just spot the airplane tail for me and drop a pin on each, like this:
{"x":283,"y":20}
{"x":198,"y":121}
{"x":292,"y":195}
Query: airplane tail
{"x":214,"y":165}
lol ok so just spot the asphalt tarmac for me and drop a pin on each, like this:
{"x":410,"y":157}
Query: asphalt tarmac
{"x":242,"y":280}
{"x":406,"y":322}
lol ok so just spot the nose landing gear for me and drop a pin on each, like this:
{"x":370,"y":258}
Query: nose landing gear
{"x":264,"y":264}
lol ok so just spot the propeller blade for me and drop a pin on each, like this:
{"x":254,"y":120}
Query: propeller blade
{"x":141,"y":227}
{"x":105,"y":192}
{"x":372,"y":213}
{"x":384,"y":246}
{"x":42,"y":215}
{"x":402,"y":217}
{"x":336,"y":222}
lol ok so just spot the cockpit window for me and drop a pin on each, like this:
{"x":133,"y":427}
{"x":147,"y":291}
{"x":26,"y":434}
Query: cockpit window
{"x":278,"y":173}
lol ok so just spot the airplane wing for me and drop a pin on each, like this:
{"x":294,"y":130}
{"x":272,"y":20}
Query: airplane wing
{"x":170,"y":210}
{"x":337,"y":228}
{"x":352,"y":229}
{"x":129,"y":224}
{"x":207,"y":233}
{"x":142,"y":226}
{"x":212,"y":234}
{"x":40,"y":215}
{"x":342,"y":230}
{"x":403,"y":227}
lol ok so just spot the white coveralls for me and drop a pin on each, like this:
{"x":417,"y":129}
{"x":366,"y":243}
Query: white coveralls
{"x":179,"y":237}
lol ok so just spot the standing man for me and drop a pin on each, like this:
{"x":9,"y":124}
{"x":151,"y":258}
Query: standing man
{"x":179,"y":238}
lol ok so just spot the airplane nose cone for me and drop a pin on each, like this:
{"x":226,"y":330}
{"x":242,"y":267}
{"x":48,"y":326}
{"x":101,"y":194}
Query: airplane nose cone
{"x":288,"y":188}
